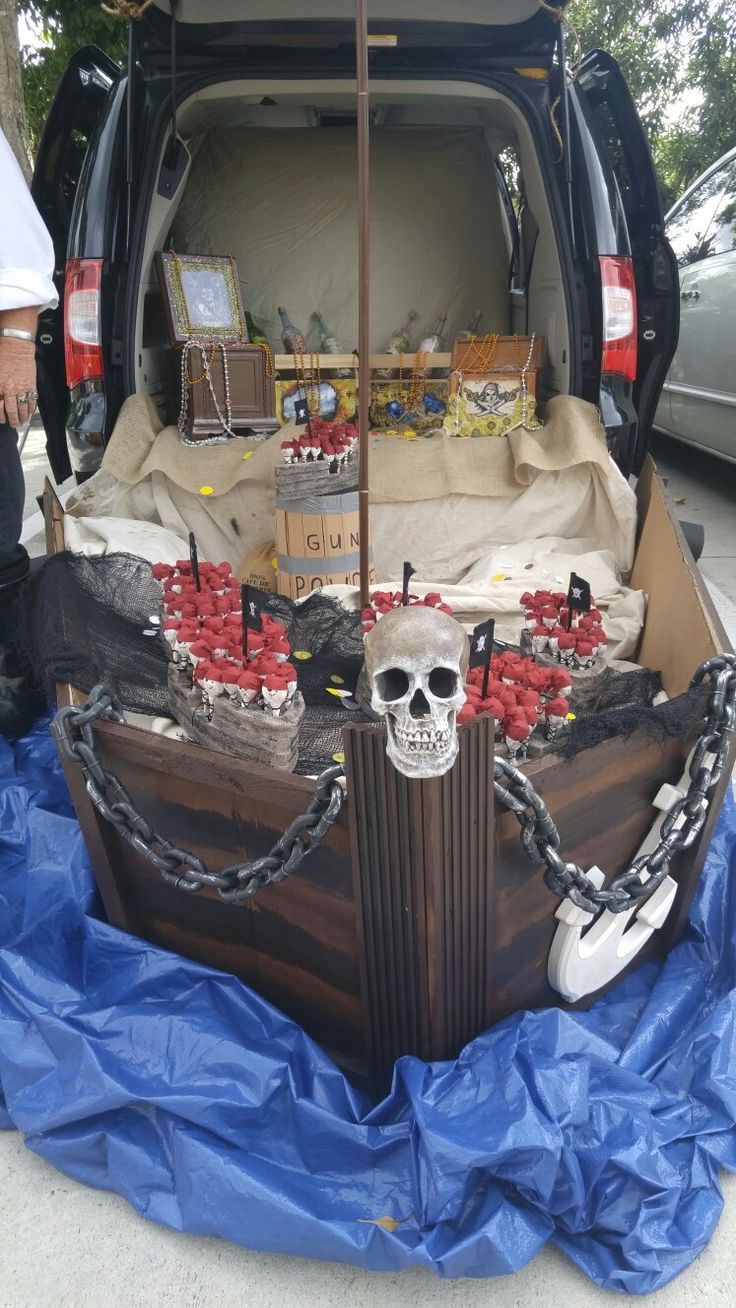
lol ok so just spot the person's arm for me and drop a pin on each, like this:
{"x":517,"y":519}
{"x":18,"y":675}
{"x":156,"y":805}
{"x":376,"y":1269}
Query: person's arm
{"x":17,"y":367}
{"x":26,"y":287}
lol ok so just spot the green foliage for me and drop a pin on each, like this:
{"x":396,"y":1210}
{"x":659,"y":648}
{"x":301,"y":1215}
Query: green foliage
{"x":672,"y":52}
{"x":65,"y":26}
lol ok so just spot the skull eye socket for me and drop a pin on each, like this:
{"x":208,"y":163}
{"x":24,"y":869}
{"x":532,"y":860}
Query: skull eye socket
{"x":392,"y":684}
{"x":443,"y":682}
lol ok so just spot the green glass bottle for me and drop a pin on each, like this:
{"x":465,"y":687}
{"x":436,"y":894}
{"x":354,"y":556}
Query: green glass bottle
{"x":329,"y":344}
{"x":255,"y":335}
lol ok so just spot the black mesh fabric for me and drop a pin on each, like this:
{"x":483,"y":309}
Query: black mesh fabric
{"x":81,"y":620}
{"x":333,"y":638}
{"x":676,"y":717}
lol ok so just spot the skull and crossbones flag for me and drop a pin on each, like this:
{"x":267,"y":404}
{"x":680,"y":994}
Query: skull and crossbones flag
{"x":481,"y":648}
{"x":578,"y":595}
{"x":254,"y":601}
{"x":481,"y":644}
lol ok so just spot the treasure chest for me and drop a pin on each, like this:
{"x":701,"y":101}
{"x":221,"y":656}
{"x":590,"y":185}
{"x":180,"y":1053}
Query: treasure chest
{"x":223,"y":386}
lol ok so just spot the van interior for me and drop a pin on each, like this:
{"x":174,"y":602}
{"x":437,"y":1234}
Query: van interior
{"x":272,"y":179}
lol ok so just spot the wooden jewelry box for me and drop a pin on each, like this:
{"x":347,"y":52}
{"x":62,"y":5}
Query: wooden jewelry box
{"x":252,"y":391}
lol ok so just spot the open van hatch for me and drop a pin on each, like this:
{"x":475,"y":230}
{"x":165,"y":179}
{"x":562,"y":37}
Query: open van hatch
{"x":509,"y":27}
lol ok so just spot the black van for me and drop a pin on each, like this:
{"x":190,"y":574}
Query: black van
{"x":218,"y":137}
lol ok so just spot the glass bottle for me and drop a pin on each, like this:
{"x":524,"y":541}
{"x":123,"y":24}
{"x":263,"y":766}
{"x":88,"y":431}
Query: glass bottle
{"x":433,"y":344}
{"x":472,"y":327}
{"x":255,"y":334}
{"x":290,"y":335}
{"x":398,"y":343}
{"x":329,"y":344}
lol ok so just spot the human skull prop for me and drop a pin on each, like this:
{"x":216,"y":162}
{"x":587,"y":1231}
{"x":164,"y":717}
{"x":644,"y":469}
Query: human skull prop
{"x":416,"y":660}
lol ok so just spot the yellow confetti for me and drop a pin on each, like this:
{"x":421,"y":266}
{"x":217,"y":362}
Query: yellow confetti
{"x":275,"y":563}
{"x":498,"y":576}
{"x":206,"y":490}
{"x":249,"y":455}
{"x":386,"y":1223}
{"x":332,"y":690}
{"x":339,"y":681}
{"x":301,"y":654}
{"x":338,"y":758}
{"x":571,"y":717}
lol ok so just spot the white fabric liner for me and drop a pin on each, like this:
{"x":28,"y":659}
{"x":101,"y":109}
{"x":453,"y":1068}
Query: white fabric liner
{"x":284,"y":203}
{"x":490,"y":588}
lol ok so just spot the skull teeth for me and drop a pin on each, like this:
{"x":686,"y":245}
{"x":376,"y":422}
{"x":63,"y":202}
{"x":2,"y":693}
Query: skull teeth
{"x":421,"y":741}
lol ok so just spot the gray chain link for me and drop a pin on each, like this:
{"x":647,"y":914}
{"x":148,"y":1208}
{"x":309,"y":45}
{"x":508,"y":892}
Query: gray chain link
{"x":183,"y":869}
{"x":539,"y":835}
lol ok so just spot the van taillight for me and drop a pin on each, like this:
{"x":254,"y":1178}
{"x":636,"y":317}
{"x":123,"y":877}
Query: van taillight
{"x":619,"y":316}
{"x":82,"y":337}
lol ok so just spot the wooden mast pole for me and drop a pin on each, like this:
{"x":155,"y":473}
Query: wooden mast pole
{"x":364,"y":372}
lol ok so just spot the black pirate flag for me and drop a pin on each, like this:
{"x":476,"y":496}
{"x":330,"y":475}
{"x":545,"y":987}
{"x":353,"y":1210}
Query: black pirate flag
{"x":194,"y":560}
{"x":481,"y":648}
{"x":408,"y":574}
{"x":254,"y":602}
{"x":578,"y":595}
{"x":301,"y":411}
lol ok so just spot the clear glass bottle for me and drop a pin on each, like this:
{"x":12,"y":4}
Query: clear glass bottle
{"x":472,"y":327}
{"x":398,"y":343}
{"x":292,"y":338}
{"x":433,"y":344}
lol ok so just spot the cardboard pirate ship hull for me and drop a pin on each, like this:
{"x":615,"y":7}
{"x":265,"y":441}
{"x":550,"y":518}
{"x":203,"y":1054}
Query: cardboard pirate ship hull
{"x":420,"y":920}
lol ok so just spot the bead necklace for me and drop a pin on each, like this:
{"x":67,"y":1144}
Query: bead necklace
{"x":225,"y":421}
{"x":196,"y":381}
{"x":527,"y":423}
{"x":486,"y":347}
{"x":268,"y":358}
{"x":308,"y":386}
{"x":414,"y":397}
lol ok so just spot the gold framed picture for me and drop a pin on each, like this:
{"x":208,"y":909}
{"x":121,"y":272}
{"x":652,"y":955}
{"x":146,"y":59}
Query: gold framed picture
{"x":201,"y":295}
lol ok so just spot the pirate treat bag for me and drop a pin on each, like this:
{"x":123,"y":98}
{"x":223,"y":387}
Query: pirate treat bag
{"x":493,"y":385}
{"x":489,"y":406}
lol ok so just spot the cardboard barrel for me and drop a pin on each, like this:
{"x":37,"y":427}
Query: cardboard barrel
{"x":317,"y":543}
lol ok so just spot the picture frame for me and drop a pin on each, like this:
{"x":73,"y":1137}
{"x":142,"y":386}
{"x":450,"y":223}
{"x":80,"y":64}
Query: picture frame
{"x":201,"y":297}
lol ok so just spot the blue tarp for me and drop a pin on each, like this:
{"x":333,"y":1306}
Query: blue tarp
{"x":134,"y":1070}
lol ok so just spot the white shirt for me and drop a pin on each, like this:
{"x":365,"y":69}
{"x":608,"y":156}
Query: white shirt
{"x":26,"y":251}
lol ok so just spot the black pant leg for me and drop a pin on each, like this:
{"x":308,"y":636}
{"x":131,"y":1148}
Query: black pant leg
{"x":13,"y":557}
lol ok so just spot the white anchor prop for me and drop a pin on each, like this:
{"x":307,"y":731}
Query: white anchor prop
{"x":578,"y":964}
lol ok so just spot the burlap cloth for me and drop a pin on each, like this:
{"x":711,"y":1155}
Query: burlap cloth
{"x":400,"y":470}
{"x":441,"y":501}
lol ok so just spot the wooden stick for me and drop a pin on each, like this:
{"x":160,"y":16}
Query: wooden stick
{"x":364,"y":375}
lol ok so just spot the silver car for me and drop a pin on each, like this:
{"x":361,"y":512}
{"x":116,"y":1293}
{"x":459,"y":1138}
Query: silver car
{"x":698,"y":402}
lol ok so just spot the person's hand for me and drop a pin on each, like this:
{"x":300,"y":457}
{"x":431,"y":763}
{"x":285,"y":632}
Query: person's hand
{"x":18,"y":393}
